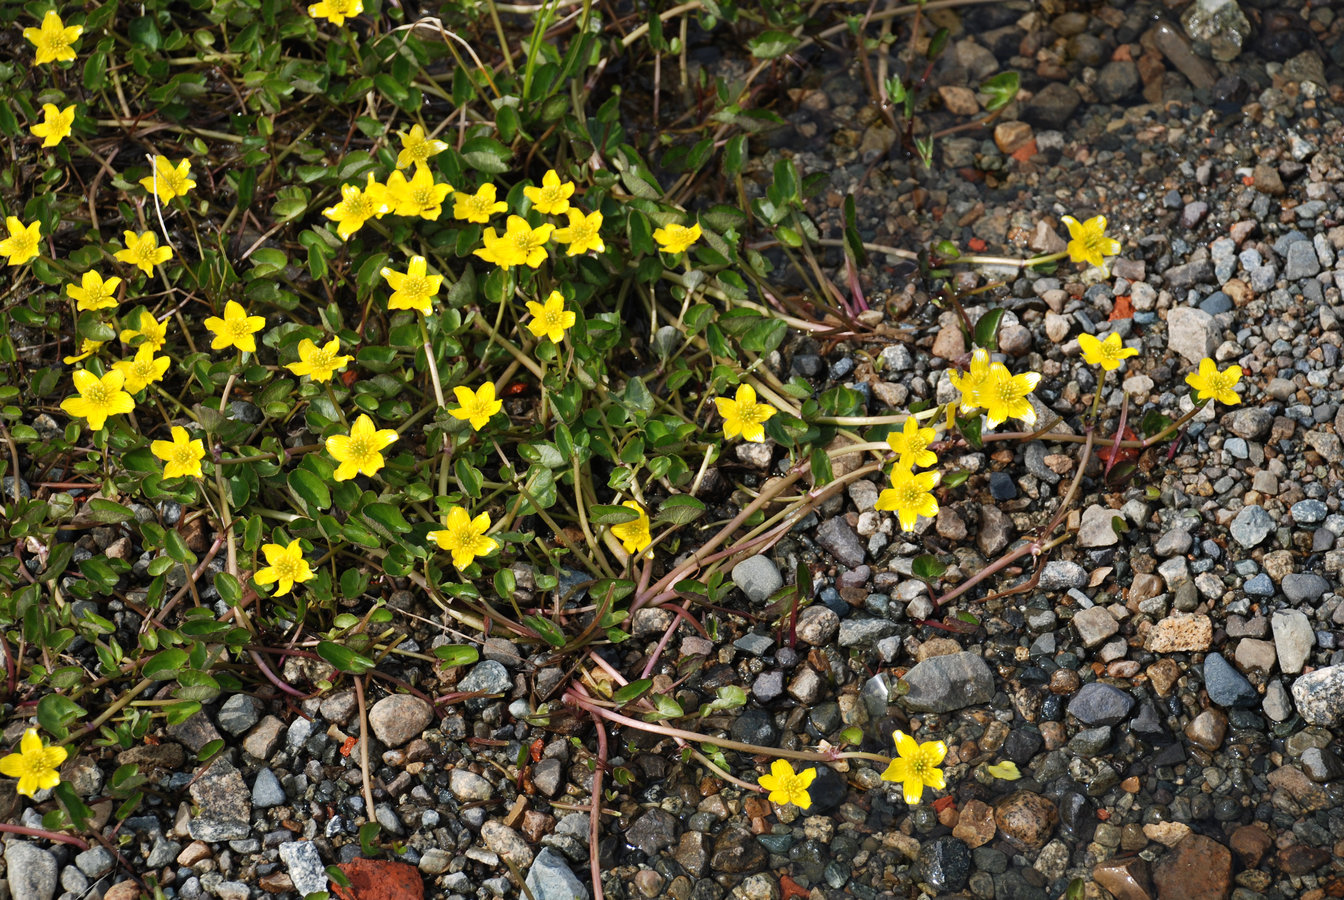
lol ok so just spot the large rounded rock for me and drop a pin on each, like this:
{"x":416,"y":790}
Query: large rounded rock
{"x":399,"y":718}
{"x":945,"y":864}
{"x":1026,"y":819}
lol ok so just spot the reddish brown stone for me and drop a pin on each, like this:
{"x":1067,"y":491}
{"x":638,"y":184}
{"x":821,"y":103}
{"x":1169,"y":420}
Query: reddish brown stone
{"x":1197,"y":868}
{"x":1127,"y":879}
{"x":975,"y":825}
{"x":1026,"y":819}
{"x":379,"y":879}
{"x":1251,"y":843}
{"x":1300,"y":859}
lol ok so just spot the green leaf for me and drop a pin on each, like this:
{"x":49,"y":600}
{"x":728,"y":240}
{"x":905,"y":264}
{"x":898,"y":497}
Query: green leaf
{"x":457,"y":654}
{"x":368,"y":833}
{"x":821,"y":467}
{"x":927,"y":567}
{"x":549,"y":631}
{"x":486,"y":155}
{"x":1001,"y":88}
{"x":165,"y":664}
{"x":680,"y":510}
{"x":55,"y":712}
{"x":79,"y":813}
{"x":388,"y":516}
{"x":177,"y":549}
{"x":987,"y":330}
{"x":601,"y":514}
{"x":145,"y":32}
{"x":309,"y":489}
{"x":772,"y":44}
{"x":632,"y":691}
{"x":106,"y":512}
{"x":666,"y":708}
{"x":969,"y":426}
{"x":177,"y":713}
{"x":343,"y":658}
{"x":954,"y":479}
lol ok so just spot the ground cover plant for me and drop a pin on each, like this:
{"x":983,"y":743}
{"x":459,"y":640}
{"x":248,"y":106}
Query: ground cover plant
{"x":307,"y":306}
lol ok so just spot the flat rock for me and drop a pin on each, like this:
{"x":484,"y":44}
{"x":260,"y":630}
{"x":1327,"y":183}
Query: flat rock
{"x":1180,"y":633}
{"x":1198,"y":868}
{"x":1095,"y":625}
{"x":31,"y":871}
{"x":758,"y":577}
{"x":399,"y":718}
{"x":1191,"y":334}
{"x":1293,"y":639}
{"x":551,"y":878}
{"x":1096,"y":529}
{"x":947,"y":683}
{"x":1251,"y":526}
{"x":225,"y":804}
{"x":838,"y":538}
{"x":1100,"y":704}
{"x":975,"y":825}
{"x":1304,"y":587}
{"x":305,"y":867}
{"x":1319,"y":696}
{"x":1126,"y":879}
{"x":509,"y":844}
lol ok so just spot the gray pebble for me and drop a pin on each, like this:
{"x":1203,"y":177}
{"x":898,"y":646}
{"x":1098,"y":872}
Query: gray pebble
{"x":305,"y":867}
{"x":1251,"y":526}
{"x":267,"y":790}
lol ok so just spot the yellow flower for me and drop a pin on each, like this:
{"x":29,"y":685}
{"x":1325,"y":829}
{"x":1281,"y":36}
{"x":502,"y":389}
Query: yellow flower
{"x":916,"y":766}
{"x":477,"y":207}
{"x":143,"y":250}
{"x":582,"y":233}
{"x":676,"y":238}
{"x":911,"y":444}
{"x":787,"y":786}
{"x":95,"y":293}
{"x":143,"y":370}
{"x":416,"y":148}
{"x":1089,"y":242}
{"x":909,"y":496}
{"x":412,"y":289}
{"x":151,"y":331}
{"x":478,"y":407}
{"x":319,"y":364}
{"x":420,"y":196}
{"x":1004,"y":395}
{"x":743,"y":415}
{"x":21,"y":245}
{"x":550,"y":319}
{"x":53,"y":39}
{"x":1004,"y":771}
{"x":359,"y":452}
{"x":520,"y":245}
{"x":55,"y":124}
{"x":181,"y":456}
{"x":1210,"y":384}
{"x":236,"y":329}
{"x":285,"y":565}
{"x":35,"y":764}
{"x":336,"y":12}
{"x":970,"y":383}
{"x":168,"y":181}
{"x":98,"y":397}
{"x":552,"y":198}
{"x":634,"y":535}
{"x":1108,"y":353}
{"x":464,"y":536}
{"x":86,"y":349}
{"x":357,"y":206}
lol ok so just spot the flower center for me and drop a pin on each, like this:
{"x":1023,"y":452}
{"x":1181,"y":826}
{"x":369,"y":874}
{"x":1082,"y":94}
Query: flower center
{"x":478,"y":205}
{"x":1007,"y":393}
{"x":550,"y":195}
{"x":414,"y":285}
{"x":910,"y":494}
{"x":424,"y":197}
{"x":238,"y":328}
{"x":919,"y":766}
{"x":321,"y":359}
{"x":749,"y":413}
{"x":287,"y":568}
{"x":553,"y":319}
{"x":183,"y":455}
{"x":98,"y":395}
{"x":360,"y":207}
{"x":523,"y":241}
{"x":361,"y":448}
{"x":465,"y":538}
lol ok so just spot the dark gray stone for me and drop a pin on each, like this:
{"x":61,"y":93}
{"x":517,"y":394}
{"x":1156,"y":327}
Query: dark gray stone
{"x":1226,"y":686}
{"x":1100,"y":704}
{"x":837,"y":538}
{"x":945,"y":863}
{"x":947,"y":683}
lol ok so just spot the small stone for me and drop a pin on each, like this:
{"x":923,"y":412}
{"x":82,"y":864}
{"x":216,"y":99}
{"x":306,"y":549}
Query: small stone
{"x":550,"y":878}
{"x":31,"y":871}
{"x":1118,"y":80}
{"x":1180,"y":633}
{"x":1191,"y":334}
{"x":1026,"y":819}
{"x":1321,"y":765}
{"x":1319,"y":696}
{"x":1219,"y":23}
{"x":1095,"y":625}
{"x":1097,"y":529}
{"x":305,"y":867}
{"x":837,"y":537}
{"x":1276,"y":704}
{"x":503,"y":840}
{"x":1301,"y":262}
{"x":736,"y":851}
{"x":238,"y":713}
{"x":469,"y":787}
{"x":1052,"y":106}
{"x":225,"y":803}
{"x":949,"y":343}
{"x":1197,"y":868}
{"x":267,"y":790}
{"x":548,"y":776}
{"x":959,"y":101}
{"x":817,"y":625}
{"x":976,"y":824}
{"x":1254,"y":655}
{"x":1304,"y":587}
{"x":1126,"y":879}
{"x":1100,"y":704}
{"x":398,"y":718}
{"x":945,"y":864}
{"x":947,"y":683}
{"x":1250,"y":843}
{"x":1308,"y":512}
{"x":1293,"y":639}
{"x":864,"y":632}
{"x":1267,"y":180}
{"x":488,"y":676}
{"x":1226,"y":686}
{"x":1208,"y":729}
{"x":1011,"y":136}
{"x":1062,"y":575}
{"x":264,"y":739}
{"x":758,"y":577}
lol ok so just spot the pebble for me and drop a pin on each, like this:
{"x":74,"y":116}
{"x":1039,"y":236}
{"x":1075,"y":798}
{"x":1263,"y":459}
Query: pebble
{"x":1196,"y":868}
{"x":1095,"y":625}
{"x":1226,"y":686}
{"x":863,"y":632}
{"x":1062,"y":575}
{"x":1190,"y":333}
{"x":488,"y":676}
{"x":1026,"y":819}
{"x":1304,"y":587}
{"x":267,"y":790}
{"x":1319,"y":696}
{"x":224,"y":801}
{"x":31,"y":871}
{"x":1100,"y":704}
{"x":305,"y":867}
{"x":758,"y":577}
{"x":945,"y":864}
{"x":1097,"y":529}
{"x":264,"y":739}
{"x":817,"y":625}
{"x":1208,"y":729}
{"x":946,"y":683}
{"x":1180,"y":633}
{"x":838,"y":538}
{"x":238,"y":713}
{"x":1293,"y":639}
{"x":1251,"y":526}
{"x":398,"y":718}
{"x":469,"y":787}
{"x":550,"y":878}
